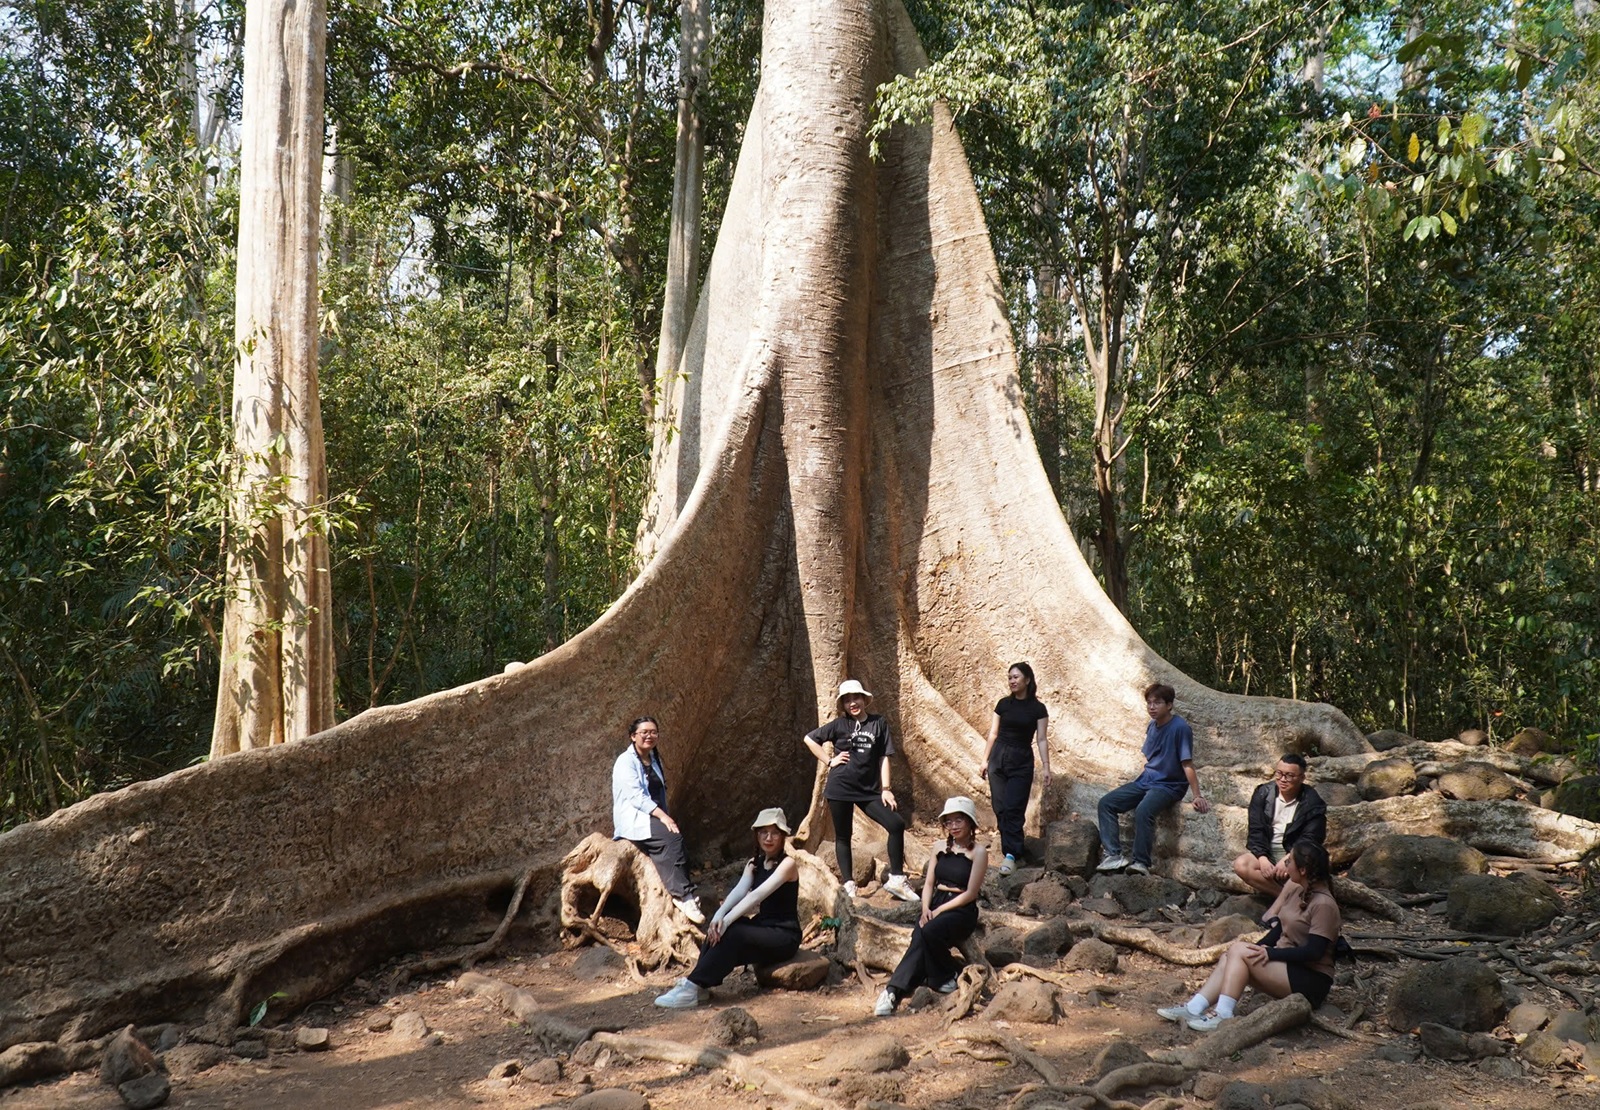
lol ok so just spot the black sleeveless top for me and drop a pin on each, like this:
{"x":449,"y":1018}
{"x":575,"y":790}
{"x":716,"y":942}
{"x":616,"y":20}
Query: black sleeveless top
{"x":952,"y":869}
{"x":781,"y":908}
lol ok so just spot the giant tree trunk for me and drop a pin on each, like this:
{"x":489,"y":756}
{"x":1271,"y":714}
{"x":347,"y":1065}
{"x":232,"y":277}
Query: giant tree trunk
{"x":277,"y":639}
{"x":853,"y":490}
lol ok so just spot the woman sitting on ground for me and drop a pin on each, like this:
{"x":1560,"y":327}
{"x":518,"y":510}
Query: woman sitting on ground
{"x":758,"y":923}
{"x":1295,"y":957}
{"x":949,"y":908}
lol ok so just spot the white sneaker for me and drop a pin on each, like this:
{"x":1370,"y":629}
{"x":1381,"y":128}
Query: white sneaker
{"x":850,"y":889}
{"x":885,"y":1005}
{"x":1174,"y":1013}
{"x":948,"y":986}
{"x":1113,"y":863}
{"x":684,"y":996}
{"x":1207,"y":1023}
{"x":690,"y":908}
{"x":1137,"y":868}
{"x":1008,"y":865}
{"x":897,"y":886}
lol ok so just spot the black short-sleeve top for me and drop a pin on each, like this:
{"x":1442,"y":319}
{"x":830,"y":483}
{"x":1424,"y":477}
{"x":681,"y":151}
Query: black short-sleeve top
{"x":867,"y":741}
{"x":1019,"y":719}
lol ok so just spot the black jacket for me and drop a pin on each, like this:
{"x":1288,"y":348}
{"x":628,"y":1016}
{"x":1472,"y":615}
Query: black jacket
{"x":1310,"y":820}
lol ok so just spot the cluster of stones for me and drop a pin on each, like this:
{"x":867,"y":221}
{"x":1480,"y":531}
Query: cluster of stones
{"x":1558,"y":787}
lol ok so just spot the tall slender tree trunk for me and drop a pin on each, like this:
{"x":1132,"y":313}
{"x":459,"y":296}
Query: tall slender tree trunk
{"x":277,"y":644}
{"x":683,"y":243}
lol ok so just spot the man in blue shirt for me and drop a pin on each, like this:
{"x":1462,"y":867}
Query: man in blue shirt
{"x":1167,"y":776}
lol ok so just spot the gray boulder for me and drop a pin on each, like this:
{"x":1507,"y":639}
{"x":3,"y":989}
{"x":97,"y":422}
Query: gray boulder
{"x":1525,"y":1017}
{"x":871,"y":1054}
{"x":1472,"y":737}
{"x":1570,"y":1025}
{"x":1535,"y":741}
{"x":1444,"y":1043}
{"x":126,"y":1057}
{"x":1140,"y":893}
{"x":1247,"y":905}
{"x":1579,"y":797}
{"x":1417,"y":864}
{"x":1042,"y":946}
{"x":1240,"y":1095}
{"x":1460,"y":993}
{"x":1386,"y":778}
{"x":1388,"y":739}
{"x":610,"y":1098}
{"x":1509,"y":906}
{"x":1047,"y":896}
{"x":1313,"y":1094}
{"x":146,"y":1092}
{"x":1542,"y":1049}
{"x":1220,"y":930}
{"x":1002,"y":946}
{"x":1024,"y":1000}
{"x":1339,"y":793}
{"x":1072,"y":847}
{"x":734,"y":1026}
{"x":1092,"y":954}
{"x":1477,"y":782}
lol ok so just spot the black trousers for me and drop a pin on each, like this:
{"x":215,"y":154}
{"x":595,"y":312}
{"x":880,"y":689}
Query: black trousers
{"x":844,"y":823}
{"x":928,"y":958}
{"x":744,"y":942}
{"x":1010,"y":781}
{"x":665,"y":849}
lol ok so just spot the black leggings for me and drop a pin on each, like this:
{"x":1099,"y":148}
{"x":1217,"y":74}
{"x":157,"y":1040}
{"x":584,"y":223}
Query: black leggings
{"x":928,"y":959}
{"x":844,"y":823}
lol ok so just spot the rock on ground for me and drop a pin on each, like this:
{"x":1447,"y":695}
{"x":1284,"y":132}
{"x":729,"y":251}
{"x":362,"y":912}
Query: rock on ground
{"x":610,"y":1098}
{"x":1041,"y":946}
{"x":1570,"y":1025}
{"x":803,"y":971}
{"x":1542,"y":1049}
{"x":411,"y":1026}
{"x":1047,"y":896}
{"x":1339,"y":793}
{"x":126,"y":1057}
{"x":1074,"y":847}
{"x":1388,"y":739}
{"x":1092,"y":954}
{"x":734,"y":1026}
{"x":1460,"y":993}
{"x":1417,"y":864}
{"x":1525,"y":1017}
{"x":311,"y":1039}
{"x":506,"y":1069}
{"x":596,"y":962}
{"x":188,"y":1060}
{"x":1240,"y":1095}
{"x":1313,"y":1094}
{"x":1002,"y":946}
{"x":546,"y":1071}
{"x":1220,"y":930}
{"x":1444,"y":1043}
{"x":1477,"y":782}
{"x":1505,"y":906}
{"x":1138,"y":893}
{"x":872,"y":1054}
{"x":1386,"y":778}
{"x":146,"y":1091}
{"x":1472,"y":737}
{"x":1026,"y":1000}
{"x":1118,"y":1053}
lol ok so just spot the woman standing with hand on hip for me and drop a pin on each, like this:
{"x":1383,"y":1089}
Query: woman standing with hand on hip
{"x":1020,"y":720}
{"x":856,"y":747}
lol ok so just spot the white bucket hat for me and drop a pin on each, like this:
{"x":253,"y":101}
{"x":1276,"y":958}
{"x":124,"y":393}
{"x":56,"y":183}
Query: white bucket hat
{"x":960,"y":804}
{"x":772,"y":815}
{"x":851,"y":686}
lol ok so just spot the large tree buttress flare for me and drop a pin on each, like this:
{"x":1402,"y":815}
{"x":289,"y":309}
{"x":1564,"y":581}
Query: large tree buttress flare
{"x":850,"y":488}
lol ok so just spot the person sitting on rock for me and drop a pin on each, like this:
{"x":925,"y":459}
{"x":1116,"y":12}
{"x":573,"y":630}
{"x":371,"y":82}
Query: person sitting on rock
{"x":1167,"y":776}
{"x":858,"y":775}
{"x":1281,"y":812}
{"x":1295,"y":957}
{"x":639,"y":813}
{"x":949,"y":908}
{"x":758,"y":923}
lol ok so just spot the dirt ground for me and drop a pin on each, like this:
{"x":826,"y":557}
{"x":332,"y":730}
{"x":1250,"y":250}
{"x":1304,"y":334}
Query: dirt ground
{"x":800,"y":1033}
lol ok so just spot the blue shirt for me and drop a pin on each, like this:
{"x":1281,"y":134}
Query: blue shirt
{"x":1166,"y":747}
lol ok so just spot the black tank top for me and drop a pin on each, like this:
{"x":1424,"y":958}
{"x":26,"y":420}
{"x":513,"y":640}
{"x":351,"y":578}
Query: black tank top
{"x":952,"y":869}
{"x":781,"y":908}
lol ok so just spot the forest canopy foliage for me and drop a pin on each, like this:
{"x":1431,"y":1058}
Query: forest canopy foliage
{"x":1307,"y":299}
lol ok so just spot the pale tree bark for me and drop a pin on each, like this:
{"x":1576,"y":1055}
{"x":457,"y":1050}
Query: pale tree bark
{"x":683,"y":242}
{"x":857,"y":493}
{"x":277,"y":644}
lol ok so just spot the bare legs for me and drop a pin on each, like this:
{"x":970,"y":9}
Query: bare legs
{"x":1259,"y":873}
{"x":1245,"y":964}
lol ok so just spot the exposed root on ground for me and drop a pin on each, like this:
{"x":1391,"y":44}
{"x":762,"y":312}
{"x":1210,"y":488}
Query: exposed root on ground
{"x":741,"y":1067}
{"x":1277,"y":1016}
{"x":465,"y":960}
{"x":1146,"y":941}
{"x":1011,"y":1048}
{"x":553,"y":1033}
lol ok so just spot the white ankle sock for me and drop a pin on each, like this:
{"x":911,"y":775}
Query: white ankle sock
{"x":1197,"y":1005}
{"x":1225,"y":1006}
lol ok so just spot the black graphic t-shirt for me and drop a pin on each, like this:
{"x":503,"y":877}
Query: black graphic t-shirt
{"x":867,"y":741}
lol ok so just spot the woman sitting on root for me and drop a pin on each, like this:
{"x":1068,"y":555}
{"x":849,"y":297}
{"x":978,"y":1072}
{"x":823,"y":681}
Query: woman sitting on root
{"x":949,"y":908}
{"x":768,"y":894}
{"x":1295,"y":957}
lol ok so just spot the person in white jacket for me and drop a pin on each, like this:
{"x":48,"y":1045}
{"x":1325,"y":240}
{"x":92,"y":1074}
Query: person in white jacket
{"x":639,"y":813}
{"x":758,"y":923}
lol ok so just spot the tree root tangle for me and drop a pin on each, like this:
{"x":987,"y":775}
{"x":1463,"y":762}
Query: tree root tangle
{"x":1014,"y":1049}
{"x":708,"y":1057}
{"x":1277,"y":1016}
{"x":467,"y":959}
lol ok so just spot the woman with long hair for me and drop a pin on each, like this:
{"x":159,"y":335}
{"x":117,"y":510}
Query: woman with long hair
{"x":758,"y":923}
{"x":1020,"y":722}
{"x":1295,"y":957}
{"x":949,"y":908}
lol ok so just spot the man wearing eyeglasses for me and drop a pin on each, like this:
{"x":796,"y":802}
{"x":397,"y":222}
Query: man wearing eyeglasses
{"x":1281,"y":812}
